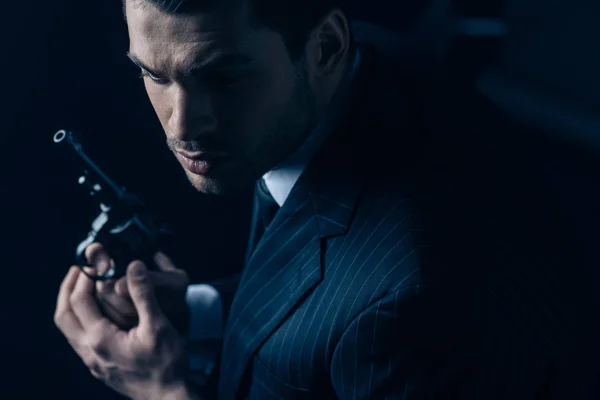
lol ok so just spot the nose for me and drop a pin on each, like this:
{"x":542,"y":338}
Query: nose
{"x":192,"y":114}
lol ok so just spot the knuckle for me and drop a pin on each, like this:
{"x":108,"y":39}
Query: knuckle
{"x":94,"y":367}
{"x":97,"y":342}
{"x":96,"y":371}
{"x":75,"y":298}
{"x":135,"y":263}
{"x":71,"y":270}
{"x":89,"y":362}
{"x":100,"y":349}
{"x":88,"y":358}
{"x":59,"y":319}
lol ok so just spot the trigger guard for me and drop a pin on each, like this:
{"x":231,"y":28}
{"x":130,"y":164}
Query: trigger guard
{"x":106,"y":277}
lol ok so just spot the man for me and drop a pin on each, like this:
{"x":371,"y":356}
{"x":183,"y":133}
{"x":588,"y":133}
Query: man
{"x":378,"y":264}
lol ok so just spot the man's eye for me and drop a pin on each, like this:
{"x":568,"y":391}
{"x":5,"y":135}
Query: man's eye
{"x":152,"y":77}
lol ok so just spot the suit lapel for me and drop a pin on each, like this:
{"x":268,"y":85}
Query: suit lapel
{"x":286,"y":263}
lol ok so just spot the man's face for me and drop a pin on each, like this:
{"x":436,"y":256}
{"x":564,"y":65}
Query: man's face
{"x":227,"y":94}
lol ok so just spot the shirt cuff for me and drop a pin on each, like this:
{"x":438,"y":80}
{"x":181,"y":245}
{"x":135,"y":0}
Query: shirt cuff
{"x":206,"y":313}
{"x":205,"y":332}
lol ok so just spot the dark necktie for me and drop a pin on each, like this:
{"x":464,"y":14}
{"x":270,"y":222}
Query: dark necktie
{"x":267,"y":206}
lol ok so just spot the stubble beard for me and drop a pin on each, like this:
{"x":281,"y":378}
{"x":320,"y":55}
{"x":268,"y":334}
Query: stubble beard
{"x":285,"y":136}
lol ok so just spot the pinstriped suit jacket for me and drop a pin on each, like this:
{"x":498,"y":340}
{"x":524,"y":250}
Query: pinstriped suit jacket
{"x":387,"y":273}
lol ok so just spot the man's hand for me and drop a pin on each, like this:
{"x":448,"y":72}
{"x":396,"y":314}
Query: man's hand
{"x":170,"y":285}
{"x":146,"y":362}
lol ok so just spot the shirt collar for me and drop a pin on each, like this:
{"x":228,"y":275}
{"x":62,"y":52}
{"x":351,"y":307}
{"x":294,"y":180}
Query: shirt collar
{"x":281,"y":179}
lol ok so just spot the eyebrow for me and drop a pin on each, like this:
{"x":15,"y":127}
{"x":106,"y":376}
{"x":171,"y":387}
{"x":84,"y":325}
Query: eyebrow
{"x":137,"y":62}
{"x":216,"y":62}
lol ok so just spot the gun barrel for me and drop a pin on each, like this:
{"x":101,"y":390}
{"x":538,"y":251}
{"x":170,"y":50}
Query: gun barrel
{"x":63,"y":135}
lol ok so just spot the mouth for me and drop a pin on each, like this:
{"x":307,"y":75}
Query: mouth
{"x":200,"y":163}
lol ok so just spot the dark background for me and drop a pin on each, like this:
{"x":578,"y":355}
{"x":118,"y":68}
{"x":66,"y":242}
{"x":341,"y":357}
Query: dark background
{"x":64,"y":66}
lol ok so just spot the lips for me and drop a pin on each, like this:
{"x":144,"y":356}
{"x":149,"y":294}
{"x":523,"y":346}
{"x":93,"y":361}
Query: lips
{"x":199,"y":163}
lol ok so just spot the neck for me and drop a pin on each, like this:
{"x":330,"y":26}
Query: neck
{"x":333,"y":82}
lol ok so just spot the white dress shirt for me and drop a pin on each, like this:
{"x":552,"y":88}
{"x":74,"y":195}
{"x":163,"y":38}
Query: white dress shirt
{"x":203,"y":300}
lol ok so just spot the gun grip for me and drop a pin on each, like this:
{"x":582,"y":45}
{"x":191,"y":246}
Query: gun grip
{"x":125,"y":244}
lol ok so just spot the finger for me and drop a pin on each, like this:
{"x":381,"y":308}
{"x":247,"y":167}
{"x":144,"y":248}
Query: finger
{"x":142,"y":293}
{"x":106,"y":294}
{"x":163,"y":262}
{"x":103,"y":287}
{"x":108,"y":288}
{"x":83,"y":303}
{"x":66,"y":288}
{"x":124,"y":320}
{"x":160,"y":280}
{"x":118,"y":309}
{"x":121,"y":287}
{"x":64,"y":318}
{"x":97,"y":256}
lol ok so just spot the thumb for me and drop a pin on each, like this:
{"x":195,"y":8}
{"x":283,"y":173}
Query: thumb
{"x":142,"y":294}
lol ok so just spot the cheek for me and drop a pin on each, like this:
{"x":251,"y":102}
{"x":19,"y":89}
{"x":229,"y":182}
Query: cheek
{"x":159,"y":101}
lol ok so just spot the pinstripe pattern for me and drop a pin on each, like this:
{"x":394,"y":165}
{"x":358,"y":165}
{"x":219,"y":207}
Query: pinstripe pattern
{"x":371,"y":285}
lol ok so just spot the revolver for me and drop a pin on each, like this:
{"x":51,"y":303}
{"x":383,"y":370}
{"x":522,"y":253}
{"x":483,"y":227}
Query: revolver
{"x":124,"y":226}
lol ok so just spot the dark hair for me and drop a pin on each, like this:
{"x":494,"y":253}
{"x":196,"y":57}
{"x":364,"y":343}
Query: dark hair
{"x":293,"y":19}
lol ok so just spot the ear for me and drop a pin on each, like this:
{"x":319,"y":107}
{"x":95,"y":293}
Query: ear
{"x":329,"y":44}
